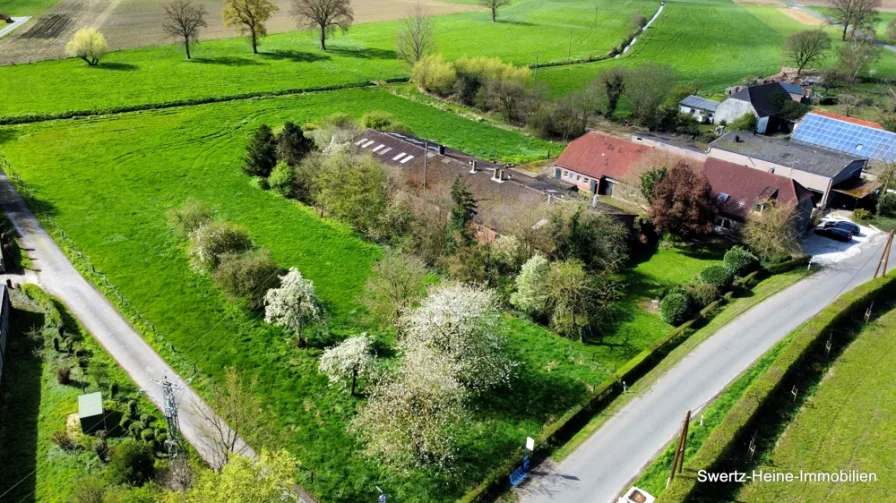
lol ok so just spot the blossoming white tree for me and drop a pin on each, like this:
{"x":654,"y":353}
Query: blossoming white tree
{"x":460,"y":322}
{"x":293,"y":305}
{"x":411,"y":417}
{"x":351,"y":359}
{"x":531,"y":294}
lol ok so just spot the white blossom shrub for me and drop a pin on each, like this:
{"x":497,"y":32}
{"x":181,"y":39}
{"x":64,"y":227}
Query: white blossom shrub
{"x":293,"y":305}
{"x":531,"y":295}
{"x":347,"y":362}
{"x":210,"y":242}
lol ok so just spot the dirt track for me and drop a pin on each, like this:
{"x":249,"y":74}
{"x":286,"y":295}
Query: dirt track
{"x":802,"y":17}
{"x":138,"y":23}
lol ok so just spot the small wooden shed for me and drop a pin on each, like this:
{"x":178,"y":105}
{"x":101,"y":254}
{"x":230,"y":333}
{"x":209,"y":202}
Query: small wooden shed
{"x":90,"y":412}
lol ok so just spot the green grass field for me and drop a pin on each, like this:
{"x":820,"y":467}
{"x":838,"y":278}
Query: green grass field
{"x":848,"y":423}
{"x":25,"y":7}
{"x":714,"y":42}
{"x":108,"y":181}
{"x":292,"y":61}
{"x":881,"y":27}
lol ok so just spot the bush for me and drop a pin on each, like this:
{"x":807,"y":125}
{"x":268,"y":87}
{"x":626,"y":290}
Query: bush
{"x":746,"y":122}
{"x":248,"y":275}
{"x":113,"y":388}
{"x":214,"y":240}
{"x":125,"y":423}
{"x":702,"y":294}
{"x":887,"y":205}
{"x":718,"y":275}
{"x":62,"y":439}
{"x":861,"y":216}
{"x":674,"y":308}
{"x":338,"y":120}
{"x":261,"y":154}
{"x":189,"y":217}
{"x":435,"y":75}
{"x":63,"y":374}
{"x":148,"y":436}
{"x":281,"y":179}
{"x":740,"y":261}
{"x":131,"y":463}
{"x":132,"y":408}
{"x":292,"y":144}
{"x":377,"y":119}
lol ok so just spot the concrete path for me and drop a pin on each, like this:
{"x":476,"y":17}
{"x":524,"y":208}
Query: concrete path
{"x":56,"y":275}
{"x":607,"y":463}
{"x":16,"y":22}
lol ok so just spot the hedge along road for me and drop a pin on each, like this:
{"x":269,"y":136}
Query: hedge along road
{"x":59,"y":277}
{"x":605,"y":464}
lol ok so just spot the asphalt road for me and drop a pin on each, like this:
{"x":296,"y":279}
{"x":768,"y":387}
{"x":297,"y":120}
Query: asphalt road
{"x":56,"y":275}
{"x":608,"y":462}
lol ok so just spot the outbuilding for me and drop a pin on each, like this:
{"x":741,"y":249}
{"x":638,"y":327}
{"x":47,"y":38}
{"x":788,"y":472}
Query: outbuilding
{"x":90,"y":412}
{"x":702,"y":109}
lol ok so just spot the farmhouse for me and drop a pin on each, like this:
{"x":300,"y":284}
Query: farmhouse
{"x":765,"y":102}
{"x":505,"y":198}
{"x":818,"y":169}
{"x":740,"y":190}
{"x":848,"y":135}
{"x":600,"y":164}
{"x":702,"y":109}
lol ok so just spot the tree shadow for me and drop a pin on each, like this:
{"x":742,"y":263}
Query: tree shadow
{"x":295,"y":56}
{"x":227,"y":61}
{"x":368,"y":53}
{"x":20,"y":406}
{"x":7,"y":134}
{"x":515,"y":22}
{"x":124,"y":67}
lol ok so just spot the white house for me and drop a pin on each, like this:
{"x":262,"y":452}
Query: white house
{"x":702,"y":109}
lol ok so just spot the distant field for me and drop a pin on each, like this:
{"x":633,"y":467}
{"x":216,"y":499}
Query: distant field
{"x":108,"y":182}
{"x":25,"y":7}
{"x":714,"y":42}
{"x":880,"y":29}
{"x":849,"y":423}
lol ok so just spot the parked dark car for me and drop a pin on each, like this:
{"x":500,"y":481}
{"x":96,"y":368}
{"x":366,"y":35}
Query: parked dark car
{"x":834,"y":233}
{"x":846,"y":225}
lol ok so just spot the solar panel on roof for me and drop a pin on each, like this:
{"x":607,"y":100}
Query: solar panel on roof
{"x":862,"y":141}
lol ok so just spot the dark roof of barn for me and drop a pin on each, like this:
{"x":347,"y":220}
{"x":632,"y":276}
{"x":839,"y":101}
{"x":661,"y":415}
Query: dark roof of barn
{"x":762,"y":97}
{"x":699,"y":102}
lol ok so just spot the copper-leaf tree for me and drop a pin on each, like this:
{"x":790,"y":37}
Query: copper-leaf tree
{"x":683,"y":204}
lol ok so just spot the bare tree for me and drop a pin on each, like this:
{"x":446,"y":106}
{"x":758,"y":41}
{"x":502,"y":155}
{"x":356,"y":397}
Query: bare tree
{"x":232,"y":408}
{"x":857,"y":54}
{"x":494,"y":5}
{"x":772,"y":232}
{"x":849,"y":103}
{"x":806,"y":47}
{"x":325,"y":15}
{"x":853,"y":13}
{"x":249,"y":16}
{"x":415,"y":36}
{"x":183,"y":20}
{"x":398,"y":280}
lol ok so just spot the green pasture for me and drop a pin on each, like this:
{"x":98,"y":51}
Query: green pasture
{"x":880,"y":28}
{"x":108,"y":181}
{"x":526,"y":30}
{"x":25,"y":7}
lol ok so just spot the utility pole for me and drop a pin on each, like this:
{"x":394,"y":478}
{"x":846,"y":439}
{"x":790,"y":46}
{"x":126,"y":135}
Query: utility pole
{"x":169,"y":408}
{"x":678,"y":460}
{"x":884,"y":257}
{"x":887,"y":256}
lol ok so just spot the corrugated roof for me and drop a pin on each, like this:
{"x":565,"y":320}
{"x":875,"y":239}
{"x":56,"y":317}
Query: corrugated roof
{"x":738,"y":188}
{"x":790,"y":153}
{"x":699,"y":102}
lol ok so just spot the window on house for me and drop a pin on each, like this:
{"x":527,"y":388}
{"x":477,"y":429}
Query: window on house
{"x":586,"y":179}
{"x":578,"y":177}
{"x":565,"y":173}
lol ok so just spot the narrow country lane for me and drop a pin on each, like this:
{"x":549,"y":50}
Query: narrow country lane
{"x":606,"y":464}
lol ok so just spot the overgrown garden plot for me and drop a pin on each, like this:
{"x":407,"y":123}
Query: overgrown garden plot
{"x":110,"y":197}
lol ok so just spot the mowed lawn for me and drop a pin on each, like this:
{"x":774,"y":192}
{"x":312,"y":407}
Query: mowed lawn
{"x":715,"y":43}
{"x":849,"y":423}
{"x":108,"y":183}
{"x":528,"y":29}
{"x":25,"y":7}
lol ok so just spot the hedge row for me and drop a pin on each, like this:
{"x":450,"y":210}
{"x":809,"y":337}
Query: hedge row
{"x":739,"y":419}
{"x":788,"y":265}
{"x":71,"y":114}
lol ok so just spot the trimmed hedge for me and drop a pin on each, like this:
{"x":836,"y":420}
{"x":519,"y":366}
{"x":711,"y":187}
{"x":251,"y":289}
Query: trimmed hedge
{"x":740,"y":260}
{"x":788,"y":265}
{"x":674,"y":308}
{"x":739,"y":419}
{"x":719,"y":275}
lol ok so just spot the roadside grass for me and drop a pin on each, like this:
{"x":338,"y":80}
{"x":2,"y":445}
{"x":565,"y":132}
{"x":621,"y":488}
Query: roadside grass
{"x":33,"y":406}
{"x":715,"y":43}
{"x":292,"y":61}
{"x":743,"y":302}
{"x":110,"y":197}
{"x":846,"y":423}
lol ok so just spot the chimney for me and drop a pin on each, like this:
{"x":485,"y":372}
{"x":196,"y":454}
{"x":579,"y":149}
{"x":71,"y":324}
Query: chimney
{"x":497,"y":174}
{"x":441,"y":149}
{"x":472,"y":166}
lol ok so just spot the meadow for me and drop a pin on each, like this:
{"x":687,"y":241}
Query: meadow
{"x":107,"y":182}
{"x":880,"y":29}
{"x":846,"y":424}
{"x":25,"y":7}
{"x":711,"y":44}
{"x":549,"y":31}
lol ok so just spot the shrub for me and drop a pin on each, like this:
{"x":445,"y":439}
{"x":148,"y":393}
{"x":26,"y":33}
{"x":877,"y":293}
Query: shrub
{"x":62,"y":439}
{"x":862,"y":215}
{"x":377,"y":119}
{"x":674,"y":308}
{"x":189,"y":217}
{"x":125,"y":423}
{"x":746,"y":122}
{"x":63,"y":374}
{"x":113,"y":388}
{"x":702,"y":294}
{"x":100,"y":447}
{"x":292,"y":144}
{"x":132,"y":408}
{"x":338,"y":120}
{"x":435,"y":75}
{"x":248,"y":275}
{"x":718,"y":275}
{"x":131,"y":463}
{"x":261,"y":154}
{"x":740,"y":261}
{"x":281,"y":179}
{"x":214,"y":240}
{"x":148,"y":436}
{"x":89,"y":45}
{"x":887,"y":205}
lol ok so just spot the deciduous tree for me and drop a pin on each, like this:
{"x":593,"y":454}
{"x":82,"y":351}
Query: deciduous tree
{"x":806,"y":47}
{"x":531,"y":295}
{"x":772,"y":233}
{"x":464,"y":205}
{"x":853,"y":13}
{"x":580,"y":301}
{"x":415,"y":38}
{"x":293,"y":305}
{"x":324,"y":15}
{"x":88,"y":44}
{"x":354,"y":189}
{"x":210,"y":242}
{"x":683,"y":204}
{"x":891,"y":31}
{"x":249,"y":16}
{"x":270,"y":478}
{"x":646,"y":87}
{"x":396,"y":283}
{"x":610,"y":84}
{"x":232,"y":410}
{"x":493,"y":6}
{"x":183,"y":20}
{"x":351,"y":359}
{"x":594,"y":238}
{"x":855,"y":55}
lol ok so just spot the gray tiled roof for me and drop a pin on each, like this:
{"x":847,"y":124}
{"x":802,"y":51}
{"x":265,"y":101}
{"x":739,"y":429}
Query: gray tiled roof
{"x":791,"y":153}
{"x":698,"y":102}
